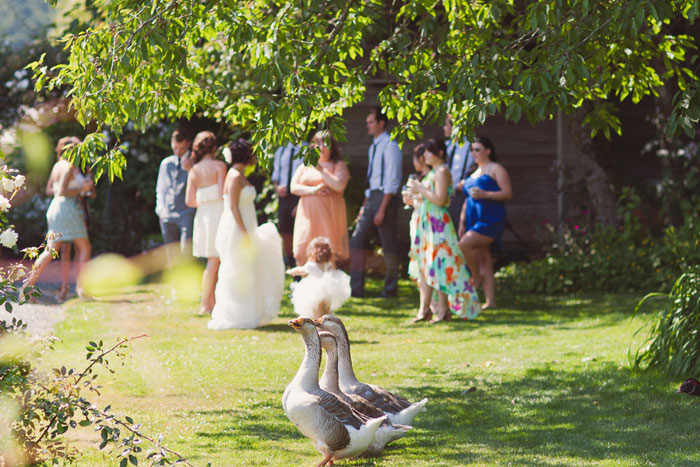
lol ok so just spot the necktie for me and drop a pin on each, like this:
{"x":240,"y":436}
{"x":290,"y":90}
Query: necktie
{"x":289,"y":169}
{"x":371,"y":162}
{"x":452,"y":156}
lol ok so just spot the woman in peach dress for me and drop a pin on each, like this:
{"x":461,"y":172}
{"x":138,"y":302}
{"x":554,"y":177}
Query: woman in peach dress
{"x":321,"y":211}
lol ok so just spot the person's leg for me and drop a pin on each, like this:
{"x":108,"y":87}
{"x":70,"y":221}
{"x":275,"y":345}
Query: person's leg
{"x":65,"y":271}
{"x":83,"y":250}
{"x":364,"y":230}
{"x":285,"y":218}
{"x":487,"y":280}
{"x":209,"y":285}
{"x":390,"y":247}
{"x":39,"y":265}
{"x":425,"y":292}
{"x":443,"y":308}
{"x":186,"y":228}
{"x":171,"y":234}
{"x":470,"y":244}
{"x":321,"y":309}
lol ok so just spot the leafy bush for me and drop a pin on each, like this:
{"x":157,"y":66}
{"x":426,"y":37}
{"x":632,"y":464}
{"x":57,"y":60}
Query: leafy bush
{"x":610,"y":258}
{"x":48,"y":404}
{"x":673,"y":343}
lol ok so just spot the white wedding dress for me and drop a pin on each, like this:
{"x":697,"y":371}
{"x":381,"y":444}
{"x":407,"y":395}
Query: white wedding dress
{"x":251,"y":276}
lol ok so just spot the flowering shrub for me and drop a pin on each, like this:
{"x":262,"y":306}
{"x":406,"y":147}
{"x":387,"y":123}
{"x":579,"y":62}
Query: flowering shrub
{"x":37,"y":407}
{"x":610,"y":258}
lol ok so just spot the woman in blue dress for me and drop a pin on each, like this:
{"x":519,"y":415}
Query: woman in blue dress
{"x":484,"y":215}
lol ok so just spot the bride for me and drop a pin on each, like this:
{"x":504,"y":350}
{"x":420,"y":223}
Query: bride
{"x":251,"y":275}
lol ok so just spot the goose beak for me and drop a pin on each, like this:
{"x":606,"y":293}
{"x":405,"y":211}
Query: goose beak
{"x":296,"y":323}
{"x":318,"y":322}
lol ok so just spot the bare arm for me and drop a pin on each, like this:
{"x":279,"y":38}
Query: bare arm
{"x":297,"y":271}
{"x":65,"y":178}
{"x":52,"y":179}
{"x":300,"y":189}
{"x":338,"y":179}
{"x":504,"y":194}
{"x":235,"y":194}
{"x":191,"y":190}
{"x":221,"y":178}
{"x":443,"y":179}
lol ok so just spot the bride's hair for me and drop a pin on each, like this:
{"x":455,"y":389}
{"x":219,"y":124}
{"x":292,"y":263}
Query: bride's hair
{"x":319,"y":250}
{"x":241,"y":151}
{"x":204,"y":143}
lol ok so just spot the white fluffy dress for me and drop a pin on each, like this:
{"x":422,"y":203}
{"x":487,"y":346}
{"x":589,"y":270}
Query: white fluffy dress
{"x":323,"y":283}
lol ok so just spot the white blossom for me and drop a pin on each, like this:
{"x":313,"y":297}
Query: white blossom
{"x":4,"y":204}
{"x":19,"y":181}
{"x":8,"y":238}
{"x":8,"y":184}
{"x":228,"y":157}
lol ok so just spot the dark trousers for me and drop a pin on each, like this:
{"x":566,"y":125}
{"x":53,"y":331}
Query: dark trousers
{"x":359,"y":243}
{"x":177,"y":231}
{"x":455,"y":208}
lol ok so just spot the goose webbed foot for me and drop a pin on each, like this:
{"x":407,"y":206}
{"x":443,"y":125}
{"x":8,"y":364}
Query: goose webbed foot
{"x":326,"y":461}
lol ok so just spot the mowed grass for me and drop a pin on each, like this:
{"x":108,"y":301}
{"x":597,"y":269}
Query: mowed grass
{"x":553,"y":386}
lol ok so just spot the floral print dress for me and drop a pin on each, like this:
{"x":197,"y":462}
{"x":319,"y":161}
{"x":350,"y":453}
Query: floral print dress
{"x":435,"y":252}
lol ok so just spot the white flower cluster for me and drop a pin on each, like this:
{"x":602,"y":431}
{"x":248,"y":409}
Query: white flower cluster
{"x":10,"y":184}
{"x":8,"y":238}
{"x":228,"y":157}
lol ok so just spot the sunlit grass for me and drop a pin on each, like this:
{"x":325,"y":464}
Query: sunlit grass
{"x":553,"y":386}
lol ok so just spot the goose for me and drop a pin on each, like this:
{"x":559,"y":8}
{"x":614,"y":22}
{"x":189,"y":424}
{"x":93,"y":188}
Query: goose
{"x":399,"y":410}
{"x":387,"y":432}
{"x":336,"y":429}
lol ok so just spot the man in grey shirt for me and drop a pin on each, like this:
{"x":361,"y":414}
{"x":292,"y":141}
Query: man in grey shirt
{"x":378,"y":212}
{"x":176,"y":218}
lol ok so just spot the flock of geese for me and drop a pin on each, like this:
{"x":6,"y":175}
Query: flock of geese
{"x":341,"y":416}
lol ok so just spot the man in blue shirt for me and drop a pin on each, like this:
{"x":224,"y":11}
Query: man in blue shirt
{"x":461,"y":163}
{"x":175,"y":217}
{"x":378,"y":212}
{"x":283,"y":168}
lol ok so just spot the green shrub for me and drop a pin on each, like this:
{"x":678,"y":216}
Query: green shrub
{"x":673,"y":343}
{"x":610,"y":258}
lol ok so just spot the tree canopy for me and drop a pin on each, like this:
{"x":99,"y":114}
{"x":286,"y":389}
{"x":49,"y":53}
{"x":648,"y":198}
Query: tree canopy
{"x":281,"y":68}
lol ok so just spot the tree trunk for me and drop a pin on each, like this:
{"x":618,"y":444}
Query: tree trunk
{"x":598,"y":182}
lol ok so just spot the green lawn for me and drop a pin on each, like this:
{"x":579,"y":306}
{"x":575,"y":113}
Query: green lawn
{"x":553,"y":386}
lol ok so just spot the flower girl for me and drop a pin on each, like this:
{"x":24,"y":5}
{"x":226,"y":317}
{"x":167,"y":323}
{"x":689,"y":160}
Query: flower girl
{"x":323,"y":288}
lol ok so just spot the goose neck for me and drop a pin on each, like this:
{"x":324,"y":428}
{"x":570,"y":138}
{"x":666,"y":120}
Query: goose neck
{"x":307,"y":374}
{"x":329,"y":380}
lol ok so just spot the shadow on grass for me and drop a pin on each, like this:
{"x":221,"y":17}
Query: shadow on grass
{"x":588,"y":415}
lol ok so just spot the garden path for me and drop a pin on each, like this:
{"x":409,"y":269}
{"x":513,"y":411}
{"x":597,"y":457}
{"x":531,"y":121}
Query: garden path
{"x":41,"y":317}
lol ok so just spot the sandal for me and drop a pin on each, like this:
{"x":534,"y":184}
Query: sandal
{"x":62,"y":292}
{"x":423,"y":317}
{"x":445,"y":316}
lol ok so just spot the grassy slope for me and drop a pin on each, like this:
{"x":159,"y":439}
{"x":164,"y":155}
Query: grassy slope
{"x":552,"y":383}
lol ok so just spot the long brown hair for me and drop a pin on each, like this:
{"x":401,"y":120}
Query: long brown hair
{"x":204,"y":143}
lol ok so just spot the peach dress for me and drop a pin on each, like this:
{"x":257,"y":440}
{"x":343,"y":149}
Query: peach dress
{"x":322,"y":215}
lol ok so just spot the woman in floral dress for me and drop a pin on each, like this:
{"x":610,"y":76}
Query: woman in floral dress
{"x":437,"y":263}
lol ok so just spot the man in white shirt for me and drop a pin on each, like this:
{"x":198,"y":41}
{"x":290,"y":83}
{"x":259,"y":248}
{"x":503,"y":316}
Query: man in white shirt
{"x":379,"y":210}
{"x":283,"y":168}
{"x":461,"y":163}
